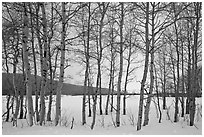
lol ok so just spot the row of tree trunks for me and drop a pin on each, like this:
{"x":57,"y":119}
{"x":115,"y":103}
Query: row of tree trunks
{"x":8,"y":107}
{"x":44,"y":42}
{"x":103,"y":8}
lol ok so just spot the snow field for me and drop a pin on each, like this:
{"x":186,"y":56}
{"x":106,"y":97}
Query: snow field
{"x":71,"y":108}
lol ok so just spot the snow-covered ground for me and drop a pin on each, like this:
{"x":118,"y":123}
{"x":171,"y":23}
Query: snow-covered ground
{"x":71,"y":108}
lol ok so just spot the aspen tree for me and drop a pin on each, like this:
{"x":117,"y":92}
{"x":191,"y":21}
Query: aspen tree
{"x":15,"y":85}
{"x":111,"y":72}
{"x":147,"y":107}
{"x":61,"y":77}
{"x":121,"y":67}
{"x":51,"y":81}
{"x":177,"y":65}
{"x":27,"y":67}
{"x":139,"y":121}
{"x":86,"y":48}
{"x":44,"y":68}
{"x":34,"y":61}
{"x":194,"y":89}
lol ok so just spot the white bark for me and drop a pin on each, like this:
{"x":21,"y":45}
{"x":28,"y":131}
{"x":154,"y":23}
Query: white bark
{"x":121,"y":67}
{"x":27,"y":68}
{"x":61,"y":77}
{"x":139,"y":122}
{"x":44,"y":68}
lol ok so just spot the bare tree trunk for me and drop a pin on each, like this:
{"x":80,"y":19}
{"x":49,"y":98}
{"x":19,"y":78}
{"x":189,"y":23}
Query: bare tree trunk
{"x":27,"y":68}
{"x":15,"y":86}
{"x":183,"y":89}
{"x":95,"y":99}
{"x":84,"y":95}
{"x":21,"y":107}
{"x":44,"y":71}
{"x":121,"y":67}
{"x":97,"y":87}
{"x":86,"y":48}
{"x":16,"y":97}
{"x":113,"y":55}
{"x":101,"y":25}
{"x":90,"y":88}
{"x":148,"y":103}
{"x":34,"y":61}
{"x":51,"y":88}
{"x":194,"y":89}
{"x":12,"y":104}
{"x":50,"y":68}
{"x":139,"y":122}
{"x":177,"y":90}
{"x":61,"y":78}
{"x":189,"y":70}
{"x":157,"y":92}
{"x":177,"y":65}
{"x":111,"y":83}
{"x":127,"y":73}
{"x":175,"y":86}
{"x":41,"y":63}
{"x":100,"y":95}
{"x":25,"y":114}
{"x":109,"y":88}
{"x":22,"y":91}
{"x":8,"y":108}
{"x":164,"y":78}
